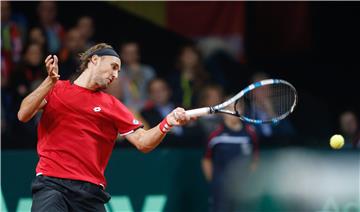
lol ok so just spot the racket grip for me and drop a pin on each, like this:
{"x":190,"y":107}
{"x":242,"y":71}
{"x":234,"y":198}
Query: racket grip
{"x":198,"y":112}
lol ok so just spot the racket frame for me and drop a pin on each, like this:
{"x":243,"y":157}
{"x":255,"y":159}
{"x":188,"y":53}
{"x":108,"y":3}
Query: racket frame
{"x":220,"y":107}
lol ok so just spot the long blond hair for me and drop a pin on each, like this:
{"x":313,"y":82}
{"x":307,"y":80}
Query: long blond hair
{"x":85,"y":56}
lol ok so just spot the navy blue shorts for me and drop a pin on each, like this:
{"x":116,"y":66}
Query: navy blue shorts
{"x":56,"y":194}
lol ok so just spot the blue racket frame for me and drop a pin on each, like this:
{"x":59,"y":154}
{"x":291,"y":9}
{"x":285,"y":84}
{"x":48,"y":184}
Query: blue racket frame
{"x":219,"y":108}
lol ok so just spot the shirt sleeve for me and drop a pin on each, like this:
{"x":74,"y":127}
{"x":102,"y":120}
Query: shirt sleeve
{"x":125,"y":121}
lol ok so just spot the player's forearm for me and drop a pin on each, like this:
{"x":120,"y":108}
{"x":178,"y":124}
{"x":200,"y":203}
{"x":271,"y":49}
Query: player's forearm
{"x":31,"y":103}
{"x":147,"y":140}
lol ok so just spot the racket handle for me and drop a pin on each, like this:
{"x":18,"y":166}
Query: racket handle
{"x":198,"y":112}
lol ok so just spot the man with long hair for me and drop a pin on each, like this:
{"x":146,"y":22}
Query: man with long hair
{"x":77,"y":132}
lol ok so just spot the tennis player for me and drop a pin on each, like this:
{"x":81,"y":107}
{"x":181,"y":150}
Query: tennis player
{"x":77,"y":132}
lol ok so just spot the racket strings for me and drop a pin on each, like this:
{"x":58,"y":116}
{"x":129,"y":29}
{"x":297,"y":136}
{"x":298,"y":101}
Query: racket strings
{"x":267,"y":102}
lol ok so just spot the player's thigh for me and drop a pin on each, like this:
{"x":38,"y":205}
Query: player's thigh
{"x":46,"y":198}
{"x":88,"y":197}
{"x":89,"y":206}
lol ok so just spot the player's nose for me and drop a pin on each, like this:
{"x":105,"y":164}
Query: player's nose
{"x":115,"y":74}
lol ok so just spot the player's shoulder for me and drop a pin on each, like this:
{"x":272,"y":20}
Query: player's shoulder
{"x":111,"y":99}
{"x":61,"y":84}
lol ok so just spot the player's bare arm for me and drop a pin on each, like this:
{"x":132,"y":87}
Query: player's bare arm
{"x":36,"y":99}
{"x":147,"y":140}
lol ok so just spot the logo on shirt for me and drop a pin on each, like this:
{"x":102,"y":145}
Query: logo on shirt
{"x":135,"y":122}
{"x":97,"y":109}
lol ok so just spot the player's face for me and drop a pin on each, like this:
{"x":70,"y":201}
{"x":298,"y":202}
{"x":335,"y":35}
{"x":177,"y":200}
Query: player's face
{"x":107,"y":70}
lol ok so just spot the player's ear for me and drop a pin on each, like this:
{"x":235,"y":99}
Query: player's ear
{"x":95,"y":59}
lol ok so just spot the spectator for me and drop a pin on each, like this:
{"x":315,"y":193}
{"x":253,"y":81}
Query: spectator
{"x":350,"y":128}
{"x":38,"y":36}
{"x":221,"y":58}
{"x":189,"y":76}
{"x":11,"y":43}
{"x":28,"y":72}
{"x":210,"y":95}
{"x":233,"y":140}
{"x":85,"y":25}
{"x":74,"y":43}
{"x":159,"y":104}
{"x":47,"y":12}
{"x":134,"y":77}
{"x":281,"y":130}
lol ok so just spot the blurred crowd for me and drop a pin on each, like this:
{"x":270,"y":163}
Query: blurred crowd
{"x":194,"y":81}
{"x":24,"y":47}
{"x":139,"y":86}
{"x":198,"y":78}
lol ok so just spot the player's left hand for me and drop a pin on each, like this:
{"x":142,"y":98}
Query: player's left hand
{"x":178,"y":117}
{"x":51,"y":63}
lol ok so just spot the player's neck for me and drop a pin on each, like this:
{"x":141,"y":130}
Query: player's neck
{"x":85,"y":81}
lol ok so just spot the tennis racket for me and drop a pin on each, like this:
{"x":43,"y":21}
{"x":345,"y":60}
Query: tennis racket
{"x":266,"y":101}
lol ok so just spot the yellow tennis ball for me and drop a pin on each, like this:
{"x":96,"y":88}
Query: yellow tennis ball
{"x":337,"y":141}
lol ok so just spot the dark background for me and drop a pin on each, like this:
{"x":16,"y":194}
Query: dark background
{"x":321,"y":60}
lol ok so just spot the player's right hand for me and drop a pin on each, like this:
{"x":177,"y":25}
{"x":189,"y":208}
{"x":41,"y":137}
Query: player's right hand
{"x":51,"y":63}
{"x":178,"y":117}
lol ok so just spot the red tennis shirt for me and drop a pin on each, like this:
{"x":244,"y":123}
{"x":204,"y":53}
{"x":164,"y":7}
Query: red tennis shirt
{"x":77,"y":132}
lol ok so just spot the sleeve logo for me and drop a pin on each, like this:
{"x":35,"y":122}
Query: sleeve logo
{"x":97,"y":109}
{"x":135,"y":122}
